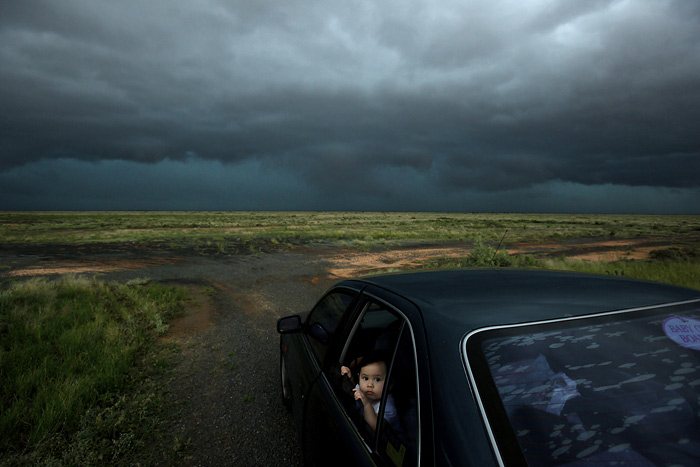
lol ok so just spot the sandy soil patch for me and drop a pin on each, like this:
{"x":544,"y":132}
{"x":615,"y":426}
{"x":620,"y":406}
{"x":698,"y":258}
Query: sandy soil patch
{"x":354,"y":263}
{"x":198,"y":316}
{"x":616,"y":255}
{"x":47,"y":267}
{"x":607,"y":250}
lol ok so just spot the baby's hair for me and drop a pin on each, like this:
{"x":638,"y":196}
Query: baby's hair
{"x":375,"y":356}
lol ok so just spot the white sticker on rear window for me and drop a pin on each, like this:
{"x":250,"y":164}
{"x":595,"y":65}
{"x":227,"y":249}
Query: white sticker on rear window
{"x":683,"y":331}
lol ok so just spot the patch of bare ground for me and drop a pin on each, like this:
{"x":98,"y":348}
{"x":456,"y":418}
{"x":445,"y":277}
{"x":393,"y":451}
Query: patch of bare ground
{"x":595,"y":250}
{"x":198,"y":316}
{"x":350,"y":263}
{"x":87,"y":266}
{"x":342,"y":262}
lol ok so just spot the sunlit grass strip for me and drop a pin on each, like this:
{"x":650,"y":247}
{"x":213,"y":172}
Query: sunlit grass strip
{"x":65,"y":346}
{"x":682,"y":273}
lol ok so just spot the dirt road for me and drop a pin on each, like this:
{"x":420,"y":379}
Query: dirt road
{"x":226,"y":383}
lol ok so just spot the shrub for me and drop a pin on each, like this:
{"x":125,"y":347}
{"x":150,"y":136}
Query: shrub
{"x":486,"y":256}
{"x":676,"y":254}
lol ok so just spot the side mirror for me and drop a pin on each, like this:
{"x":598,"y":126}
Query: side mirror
{"x":289,"y":324}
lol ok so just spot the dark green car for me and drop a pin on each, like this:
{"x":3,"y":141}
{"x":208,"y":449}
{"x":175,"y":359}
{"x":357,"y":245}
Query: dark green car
{"x":497,"y":367}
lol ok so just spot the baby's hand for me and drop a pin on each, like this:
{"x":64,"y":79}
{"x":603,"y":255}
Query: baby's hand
{"x":360,"y":396}
{"x":345,"y":371}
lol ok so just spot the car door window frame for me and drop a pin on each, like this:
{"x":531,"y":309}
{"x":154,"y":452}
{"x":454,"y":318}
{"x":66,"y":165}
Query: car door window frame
{"x":365,"y":302}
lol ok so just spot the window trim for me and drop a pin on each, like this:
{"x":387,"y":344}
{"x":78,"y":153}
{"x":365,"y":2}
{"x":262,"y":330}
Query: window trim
{"x":476,"y":332}
{"x":364,"y":301}
{"x":353,"y":329}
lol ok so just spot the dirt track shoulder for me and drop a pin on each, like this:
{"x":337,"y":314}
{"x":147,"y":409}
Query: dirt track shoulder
{"x":225,"y":383}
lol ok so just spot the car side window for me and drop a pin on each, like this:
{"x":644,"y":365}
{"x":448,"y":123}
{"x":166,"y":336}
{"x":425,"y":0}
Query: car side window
{"x":324,"y":318}
{"x":381,"y":331}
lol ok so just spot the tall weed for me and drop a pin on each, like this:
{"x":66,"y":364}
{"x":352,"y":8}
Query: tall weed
{"x":487,"y":256}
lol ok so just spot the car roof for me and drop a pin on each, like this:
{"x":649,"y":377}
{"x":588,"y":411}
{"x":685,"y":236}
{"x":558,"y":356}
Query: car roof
{"x":454,"y":302}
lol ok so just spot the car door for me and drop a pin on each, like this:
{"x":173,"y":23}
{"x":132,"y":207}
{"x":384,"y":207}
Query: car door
{"x":337,"y":434}
{"x":325,"y":431}
{"x":303,"y":353}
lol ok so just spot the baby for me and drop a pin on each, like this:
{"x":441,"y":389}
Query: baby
{"x":370,"y":388}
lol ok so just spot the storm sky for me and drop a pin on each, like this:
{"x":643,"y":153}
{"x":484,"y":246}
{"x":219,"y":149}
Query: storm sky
{"x":388,"y":105}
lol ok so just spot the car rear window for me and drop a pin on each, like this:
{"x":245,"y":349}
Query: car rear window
{"x":619,"y":387}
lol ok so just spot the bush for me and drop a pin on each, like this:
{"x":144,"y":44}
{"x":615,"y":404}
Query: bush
{"x":486,"y":256}
{"x":676,"y":254}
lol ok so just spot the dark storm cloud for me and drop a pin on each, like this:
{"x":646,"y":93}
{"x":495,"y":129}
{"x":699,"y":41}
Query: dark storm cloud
{"x":454,"y":97}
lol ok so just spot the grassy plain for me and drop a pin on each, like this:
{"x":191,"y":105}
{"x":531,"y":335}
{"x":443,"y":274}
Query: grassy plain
{"x":251,"y":231}
{"x":353,"y":227}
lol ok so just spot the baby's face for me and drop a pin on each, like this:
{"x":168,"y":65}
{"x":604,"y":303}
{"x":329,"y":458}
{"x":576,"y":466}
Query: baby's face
{"x":372,"y":378}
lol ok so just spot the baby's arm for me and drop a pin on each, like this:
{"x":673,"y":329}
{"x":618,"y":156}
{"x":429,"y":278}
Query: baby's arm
{"x":346,"y":371}
{"x":370,"y":416}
